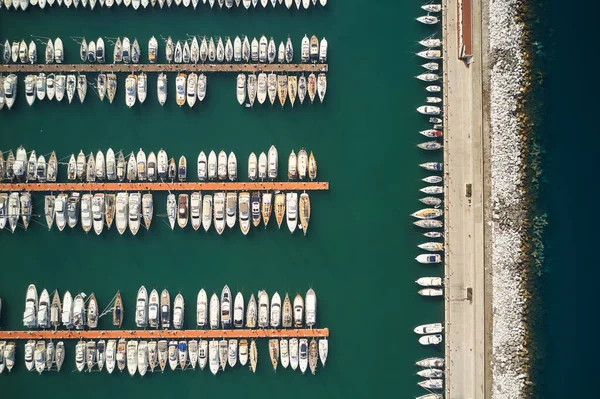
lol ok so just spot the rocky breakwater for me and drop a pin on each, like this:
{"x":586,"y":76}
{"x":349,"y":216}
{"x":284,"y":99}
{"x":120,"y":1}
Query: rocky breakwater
{"x":508,"y":87}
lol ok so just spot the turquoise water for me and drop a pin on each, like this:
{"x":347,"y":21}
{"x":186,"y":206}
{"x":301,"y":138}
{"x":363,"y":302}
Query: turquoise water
{"x":359,"y":251}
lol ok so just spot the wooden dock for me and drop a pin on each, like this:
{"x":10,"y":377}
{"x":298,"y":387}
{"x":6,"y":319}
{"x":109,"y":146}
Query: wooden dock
{"x":131,"y":68}
{"x":160,"y":186}
{"x":163,"y":334}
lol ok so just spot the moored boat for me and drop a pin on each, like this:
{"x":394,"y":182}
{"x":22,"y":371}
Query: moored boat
{"x":117,"y":310}
{"x":435,"y":339}
{"x":180,"y":87}
{"x":274,"y":352}
{"x":202,"y":309}
{"x":214,"y":312}
{"x":253,"y":356}
{"x":244,"y":212}
{"x":431,"y":362}
{"x":141,"y":308}
{"x":255,"y":208}
{"x":432,"y":246}
{"x":292,"y":211}
{"x":251,"y":313}
{"x":428,"y":213}
{"x":430,"y":281}
{"x":311,"y":308}
{"x":182,"y":169}
{"x":275,"y":317}
{"x":304,"y":211}
{"x":263,"y":309}
{"x":429,"y":258}
{"x":182,"y":210}
{"x":313,"y":355}
{"x":178,"y":312}
{"x":433,"y":328}
{"x":173,"y":354}
{"x":195,"y":209}
{"x":134,"y":212}
{"x":165,"y":309}
{"x":279,"y":208}
{"x":428,"y":19}
{"x":303,"y":354}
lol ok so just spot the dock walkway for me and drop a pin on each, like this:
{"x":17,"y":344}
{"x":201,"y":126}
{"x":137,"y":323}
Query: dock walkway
{"x":466,"y":310}
{"x":160,"y":186}
{"x":130,"y":68}
{"x":164,"y":334}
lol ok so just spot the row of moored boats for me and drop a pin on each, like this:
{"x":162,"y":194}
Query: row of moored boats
{"x":284,"y":87}
{"x":135,"y":4}
{"x":429,"y":217}
{"x":190,"y":51}
{"x":21,"y":52}
{"x":143,"y":356}
{"x":189,"y":88}
{"x":134,"y":210}
{"x":156,"y":310}
{"x":155,"y":167}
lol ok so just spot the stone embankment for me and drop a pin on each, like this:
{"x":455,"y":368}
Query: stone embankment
{"x":508,"y":68}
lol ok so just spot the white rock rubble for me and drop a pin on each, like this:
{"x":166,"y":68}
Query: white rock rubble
{"x":506,"y":80}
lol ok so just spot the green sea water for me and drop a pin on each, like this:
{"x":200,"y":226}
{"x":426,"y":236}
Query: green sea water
{"x":360,"y":248}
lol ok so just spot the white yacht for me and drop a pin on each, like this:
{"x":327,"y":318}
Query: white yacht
{"x":195,"y":209}
{"x":135,"y":212}
{"x":130,"y":90}
{"x":201,"y":90}
{"x":141,"y":308}
{"x":132,"y":357}
{"x":435,"y":339}
{"x":291,"y":211}
{"x":142,"y":87}
{"x":122,"y":213}
{"x":219,"y":212}
{"x":178,"y":312}
{"x":192,"y":84}
{"x":31,"y":302}
{"x":434,"y":328}
{"x":311,"y":308}
{"x":263,"y":309}
{"x":161,"y":88}
{"x":207,"y":212}
{"x":241,"y":88}
{"x":272,"y":163}
{"x":202,"y":309}
{"x":429,"y":258}
{"x":430,"y":281}
{"x":275,"y":318}
{"x":154,"y":310}
{"x":232,"y":166}
{"x":214,"y":313}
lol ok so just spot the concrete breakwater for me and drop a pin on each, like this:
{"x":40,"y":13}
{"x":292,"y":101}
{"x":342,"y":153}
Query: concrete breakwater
{"x":508,"y":85}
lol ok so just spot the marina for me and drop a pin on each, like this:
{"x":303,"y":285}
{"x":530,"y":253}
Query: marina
{"x":332,"y":258}
{"x":81,"y":317}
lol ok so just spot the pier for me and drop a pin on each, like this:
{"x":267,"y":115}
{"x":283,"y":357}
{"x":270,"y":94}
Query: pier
{"x":164,"y":334}
{"x":131,"y":68}
{"x":468,"y":308}
{"x":162,"y":186}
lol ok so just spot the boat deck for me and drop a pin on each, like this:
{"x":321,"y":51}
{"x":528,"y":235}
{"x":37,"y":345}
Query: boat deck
{"x":163,"y":334}
{"x":130,"y":68}
{"x":160,"y":186}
